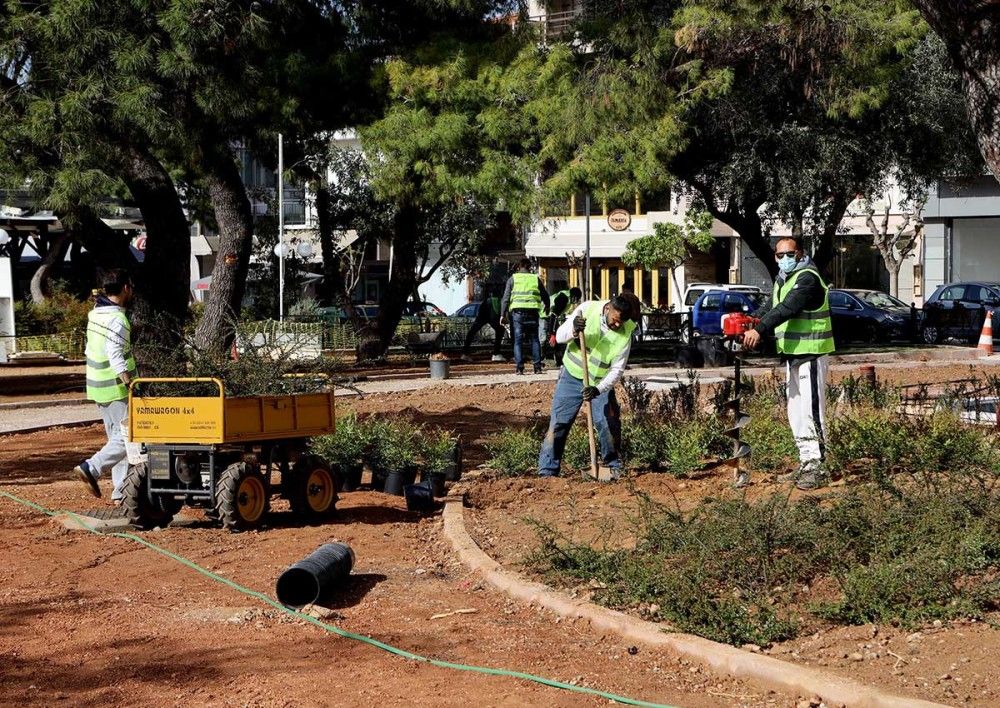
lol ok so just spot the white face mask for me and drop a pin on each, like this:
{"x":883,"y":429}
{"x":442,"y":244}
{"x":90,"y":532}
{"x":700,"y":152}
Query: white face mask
{"x":787,"y":264}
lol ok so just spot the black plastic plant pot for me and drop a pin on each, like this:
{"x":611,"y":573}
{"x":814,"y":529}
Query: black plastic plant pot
{"x":350,"y":477}
{"x":419,"y":497}
{"x":316,"y":577}
{"x":453,"y":472}
{"x":379,"y":475}
{"x":434,"y":480}
{"x":397,"y":479}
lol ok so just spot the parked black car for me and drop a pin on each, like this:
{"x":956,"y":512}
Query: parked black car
{"x":871,"y":316}
{"x":958,"y":310}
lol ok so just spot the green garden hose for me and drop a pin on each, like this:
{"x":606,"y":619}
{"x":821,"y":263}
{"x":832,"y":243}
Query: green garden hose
{"x":332,"y":629}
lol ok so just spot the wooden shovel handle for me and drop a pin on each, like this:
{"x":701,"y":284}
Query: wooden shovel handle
{"x":589,"y":410}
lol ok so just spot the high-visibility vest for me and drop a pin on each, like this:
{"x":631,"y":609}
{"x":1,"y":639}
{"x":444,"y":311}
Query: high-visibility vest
{"x":602,"y":348}
{"x":553,"y":301}
{"x":103,"y":385}
{"x":525,"y":295}
{"x":810,"y":331}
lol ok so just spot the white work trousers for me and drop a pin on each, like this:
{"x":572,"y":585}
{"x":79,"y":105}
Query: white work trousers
{"x":807,"y":406}
{"x":113,"y":455}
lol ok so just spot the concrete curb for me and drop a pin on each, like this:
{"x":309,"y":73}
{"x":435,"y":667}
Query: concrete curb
{"x":721,"y":658}
{"x":42,"y":404}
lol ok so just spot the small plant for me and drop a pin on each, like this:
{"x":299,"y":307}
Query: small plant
{"x":397,"y":444}
{"x":576,"y":456}
{"x":345,"y":446}
{"x":438,"y":450}
{"x":440,"y":356}
{"x":513,"y":451}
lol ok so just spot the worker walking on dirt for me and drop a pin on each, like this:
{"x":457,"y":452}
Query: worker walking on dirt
{"x":487,"y":314}
{"x":562,"y":304}
{"x":526,"y":300}
{"x":110,"y":369}
{"x":799,"y":317}
{"x":607,"y":332}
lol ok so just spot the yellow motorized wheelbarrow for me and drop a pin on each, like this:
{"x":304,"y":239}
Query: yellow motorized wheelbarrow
{"x":205,"y":450}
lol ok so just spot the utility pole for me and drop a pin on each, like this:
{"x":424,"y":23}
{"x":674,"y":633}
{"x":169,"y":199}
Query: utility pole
{"x":281,"y":230}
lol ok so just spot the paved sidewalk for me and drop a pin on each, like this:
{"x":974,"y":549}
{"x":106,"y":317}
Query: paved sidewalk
{"x":27,"y":419}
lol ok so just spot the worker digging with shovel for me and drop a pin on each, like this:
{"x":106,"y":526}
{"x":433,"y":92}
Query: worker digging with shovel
{"x":598,"y":335}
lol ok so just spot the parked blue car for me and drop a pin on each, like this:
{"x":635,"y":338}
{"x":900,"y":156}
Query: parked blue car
{"x":706,"y":316}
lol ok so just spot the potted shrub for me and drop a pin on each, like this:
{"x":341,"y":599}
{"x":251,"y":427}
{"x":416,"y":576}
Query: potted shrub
{"x":440,"y":366}
{"x":399,"y":453}
{"x":440,"y":460}
{"x":343,"y":451}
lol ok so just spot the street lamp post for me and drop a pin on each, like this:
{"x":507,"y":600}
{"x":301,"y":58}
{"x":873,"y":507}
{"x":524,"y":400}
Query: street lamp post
{"x":281,"y":230}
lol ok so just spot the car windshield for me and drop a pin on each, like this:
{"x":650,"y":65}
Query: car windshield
{"x":877,"y":299}
{"x":758,"y":299}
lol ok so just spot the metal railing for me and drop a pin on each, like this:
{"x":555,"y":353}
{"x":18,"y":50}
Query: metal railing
{"x":555,"y":24}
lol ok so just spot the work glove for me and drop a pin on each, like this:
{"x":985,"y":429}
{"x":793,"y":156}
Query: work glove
{"x":552,"y":340}
{"x":590,"y":393}
{"x":579,"y":324}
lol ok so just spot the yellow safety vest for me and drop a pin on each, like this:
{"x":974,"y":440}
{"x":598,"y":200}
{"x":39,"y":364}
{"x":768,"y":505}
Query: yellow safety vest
{"x":524,"y":294}
{"x":602,"y":348}
{"x":810,"y":331}
{"x":103,"y":385}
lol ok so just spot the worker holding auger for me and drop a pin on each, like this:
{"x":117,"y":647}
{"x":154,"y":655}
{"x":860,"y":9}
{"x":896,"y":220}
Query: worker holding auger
{"x":607,"y":332}
{"x":799,"y":317}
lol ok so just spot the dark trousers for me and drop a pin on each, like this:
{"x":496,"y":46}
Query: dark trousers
{"x":524,"y":323}
{"x":484,"y":317}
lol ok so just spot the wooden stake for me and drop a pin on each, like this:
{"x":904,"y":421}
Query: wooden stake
{"x":589,"y":411}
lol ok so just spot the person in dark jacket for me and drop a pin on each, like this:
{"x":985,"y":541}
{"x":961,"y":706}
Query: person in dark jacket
{"x":524,"y":301}
{"x":798,"y":315}
{"x":487,"y":314}
{"x":562,"y":304}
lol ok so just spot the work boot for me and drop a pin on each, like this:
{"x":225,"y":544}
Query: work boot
{"x":519,"y":372}
{"x":815,"y":478}
{"x":540,"y":368}
{"x":85,"y":475}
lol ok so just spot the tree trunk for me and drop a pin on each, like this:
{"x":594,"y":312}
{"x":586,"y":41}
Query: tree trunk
{"x":234,"y":220}
{"x":165,"y":274}
{"x":893,"y":269}
{"x":971,"y":32}
{"x":333,"y":281}
{"x":826,"y":248}
{"x":404,"y":276}
{"x":53,"y":258}
{"x":108,"y":248}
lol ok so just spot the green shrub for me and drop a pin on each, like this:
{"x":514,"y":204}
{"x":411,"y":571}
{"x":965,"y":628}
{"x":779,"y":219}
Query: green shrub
{"x":576,"y":456}
{"x":772,"y":445}
{"x":345,"y":446}
{"x":738,"y":571}
{"x":689,"y":444}
{"x":437,"y":450}
{"x":642,"y":443}
{"x":513,"y":451}
{"x":60,"y":313}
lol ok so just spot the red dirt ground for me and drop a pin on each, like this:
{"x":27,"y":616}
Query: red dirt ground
{"x":103,"y":621}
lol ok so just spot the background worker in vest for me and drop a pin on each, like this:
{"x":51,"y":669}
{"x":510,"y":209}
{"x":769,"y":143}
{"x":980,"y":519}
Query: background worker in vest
{"x":562,"y":304}
{"x":525,"y":300}
{"x":608,"y":334}
{"x":110,"y":368}
{"x":487,"y":314}
{"x":799,"y":317}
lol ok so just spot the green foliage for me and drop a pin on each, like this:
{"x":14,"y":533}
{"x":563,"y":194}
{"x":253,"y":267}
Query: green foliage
{"x":737,"y":570}
{"x":513,"y":452}
{"x":772,"y":446}
{"x":576,"y":456}
{"x":671,"y":244}
{"x":60,"y":313}
{"x":392,"y":443}
{"x":346,"y":446}
{"x":437,"y":450}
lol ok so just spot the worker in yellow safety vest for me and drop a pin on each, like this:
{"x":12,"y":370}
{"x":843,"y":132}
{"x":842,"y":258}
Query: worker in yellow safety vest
{"x":110,"y":369}
{"x":607,"y":330}
{"x":526,"y":301}
{"x":798,"y":315}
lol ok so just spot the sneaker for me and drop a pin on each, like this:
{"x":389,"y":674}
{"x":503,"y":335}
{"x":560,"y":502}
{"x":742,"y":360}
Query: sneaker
{"x":792,"y":476}
{"x":498,"y":357}
{"x":519,"y":372}
{"x":539,"y":369}
{"x":814,"y":479}
{"x":85,"y":475}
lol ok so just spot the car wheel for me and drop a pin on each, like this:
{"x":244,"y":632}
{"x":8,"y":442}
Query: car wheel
{"x":932,"y":335}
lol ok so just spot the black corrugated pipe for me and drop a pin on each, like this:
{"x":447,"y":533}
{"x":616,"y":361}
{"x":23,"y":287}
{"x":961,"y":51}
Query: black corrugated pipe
{"x":313,"y":578}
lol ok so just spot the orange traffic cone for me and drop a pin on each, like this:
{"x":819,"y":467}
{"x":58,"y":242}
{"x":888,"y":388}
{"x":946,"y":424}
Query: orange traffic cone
{"x":986,"y":338}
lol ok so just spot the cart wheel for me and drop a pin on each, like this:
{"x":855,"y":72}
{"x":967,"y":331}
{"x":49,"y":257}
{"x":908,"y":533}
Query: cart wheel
{"x":241,"y":497}
{"x":139,"y":510}
{"x":313,"y":488}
